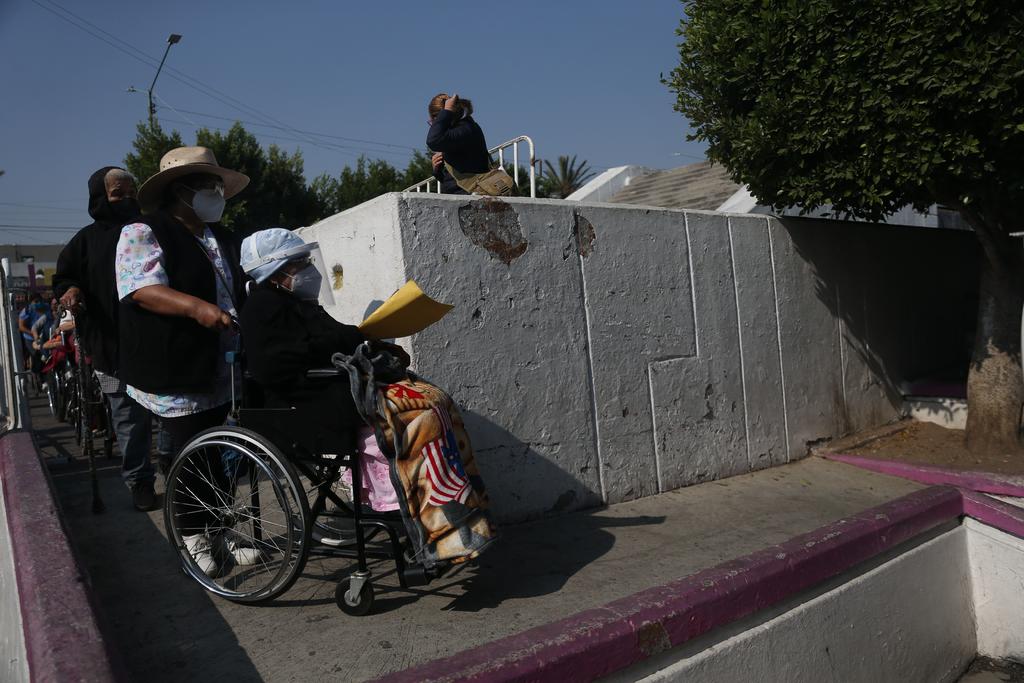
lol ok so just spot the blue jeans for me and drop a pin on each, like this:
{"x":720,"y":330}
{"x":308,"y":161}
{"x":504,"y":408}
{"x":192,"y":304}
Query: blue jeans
{"x":132,"y":428}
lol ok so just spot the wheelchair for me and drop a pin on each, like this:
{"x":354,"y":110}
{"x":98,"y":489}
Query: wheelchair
{"x":86,"y":407}
{"x":270,"y":484}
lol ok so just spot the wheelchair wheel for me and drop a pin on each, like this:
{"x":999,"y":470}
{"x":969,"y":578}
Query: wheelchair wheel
{"x":354,"y":605}
{"x":239,"y":488}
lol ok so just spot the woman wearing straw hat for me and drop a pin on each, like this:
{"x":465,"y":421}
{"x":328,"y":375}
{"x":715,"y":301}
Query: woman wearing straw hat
{"x":180,"y":287}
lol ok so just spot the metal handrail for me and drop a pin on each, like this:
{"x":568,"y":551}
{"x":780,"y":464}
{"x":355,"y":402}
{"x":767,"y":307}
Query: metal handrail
{"x":14,"y":411}
{"x":425,"y":185}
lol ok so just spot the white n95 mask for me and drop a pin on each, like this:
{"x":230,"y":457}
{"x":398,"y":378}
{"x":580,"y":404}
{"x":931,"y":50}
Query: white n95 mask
{"x":306,"y":283}
{"x":208,"y":205}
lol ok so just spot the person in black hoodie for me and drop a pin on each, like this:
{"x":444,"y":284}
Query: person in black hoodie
{"x":287,"y":332}
{"x":84,"y":282}
{"x":456,"y":139}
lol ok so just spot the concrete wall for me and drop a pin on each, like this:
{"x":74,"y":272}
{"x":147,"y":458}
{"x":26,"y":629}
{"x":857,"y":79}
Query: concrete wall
{"x":996,"y":559}
{"x":605,"y":352}
{"x":906,"y":620}
{"x":13,"y":660}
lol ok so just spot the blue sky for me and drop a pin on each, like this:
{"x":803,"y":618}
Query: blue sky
{"x":579,"y":77}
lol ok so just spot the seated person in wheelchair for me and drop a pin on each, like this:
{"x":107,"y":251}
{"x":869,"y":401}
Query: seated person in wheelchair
{"x":286,"y":333}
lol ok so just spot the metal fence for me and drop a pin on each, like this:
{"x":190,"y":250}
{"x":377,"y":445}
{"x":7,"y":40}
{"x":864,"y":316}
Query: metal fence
{"x":432,"y":185}
{"x":14,"y":412}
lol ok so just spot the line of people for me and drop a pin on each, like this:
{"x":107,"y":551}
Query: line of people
{"x":157,"y":288}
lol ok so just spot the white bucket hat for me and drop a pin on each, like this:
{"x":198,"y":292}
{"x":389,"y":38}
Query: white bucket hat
{"x":265,"y":251}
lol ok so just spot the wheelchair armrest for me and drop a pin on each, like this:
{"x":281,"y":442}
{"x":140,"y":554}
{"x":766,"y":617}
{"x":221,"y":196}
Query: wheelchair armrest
{"x":322,"y":373}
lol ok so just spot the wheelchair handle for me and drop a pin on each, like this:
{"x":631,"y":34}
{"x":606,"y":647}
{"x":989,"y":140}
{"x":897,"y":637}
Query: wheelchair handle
{"x":322,"y":373}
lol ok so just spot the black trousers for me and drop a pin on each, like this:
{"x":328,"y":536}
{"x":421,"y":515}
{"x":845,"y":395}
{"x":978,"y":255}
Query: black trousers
{"x":204,"y":471}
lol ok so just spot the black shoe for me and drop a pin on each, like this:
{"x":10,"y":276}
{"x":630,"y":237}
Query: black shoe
{"x":143,"y":497}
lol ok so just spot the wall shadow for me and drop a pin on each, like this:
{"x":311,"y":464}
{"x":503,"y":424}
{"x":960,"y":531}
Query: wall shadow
{"x":533,"y":557}
{"x":513,"y":470}
{"x":907,"y":299}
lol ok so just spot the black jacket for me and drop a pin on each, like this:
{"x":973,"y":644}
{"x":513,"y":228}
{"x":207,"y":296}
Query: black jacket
{"x":171,"y":354}
{"x":87,"y":262}
{"x":284,"y":337}
{"x":463,"y":145}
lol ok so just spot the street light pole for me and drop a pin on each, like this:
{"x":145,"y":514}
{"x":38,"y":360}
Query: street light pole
{"x":171,"y":40}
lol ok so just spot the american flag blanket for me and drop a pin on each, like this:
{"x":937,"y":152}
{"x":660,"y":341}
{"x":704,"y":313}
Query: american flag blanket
{"x":434,"y":473}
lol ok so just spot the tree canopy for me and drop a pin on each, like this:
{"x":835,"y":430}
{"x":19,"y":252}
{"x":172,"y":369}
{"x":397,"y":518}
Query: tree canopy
{"x":867,"y":106}
{"x":277,"y":195}
{"x":870,"y":106}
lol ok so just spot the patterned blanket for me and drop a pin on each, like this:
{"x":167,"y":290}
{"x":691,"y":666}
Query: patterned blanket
{"x":434,"y":472}
{"x":442,"y":497}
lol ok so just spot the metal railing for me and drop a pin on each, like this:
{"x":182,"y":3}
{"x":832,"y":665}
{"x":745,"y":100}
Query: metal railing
{"x":432,"y":185}
{"x":14,"y":410}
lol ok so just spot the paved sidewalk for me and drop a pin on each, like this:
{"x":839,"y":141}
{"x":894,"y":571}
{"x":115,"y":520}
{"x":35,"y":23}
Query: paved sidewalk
{"x":167,"y":629}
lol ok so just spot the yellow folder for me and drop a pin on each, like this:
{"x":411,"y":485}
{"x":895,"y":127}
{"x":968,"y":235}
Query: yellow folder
{"x":405,"y":313}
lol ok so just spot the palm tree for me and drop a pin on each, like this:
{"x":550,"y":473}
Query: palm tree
{"x":567,"y":179}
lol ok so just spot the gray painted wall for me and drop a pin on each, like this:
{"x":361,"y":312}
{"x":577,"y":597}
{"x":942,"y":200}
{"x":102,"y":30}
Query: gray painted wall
{"x":604,"y":352}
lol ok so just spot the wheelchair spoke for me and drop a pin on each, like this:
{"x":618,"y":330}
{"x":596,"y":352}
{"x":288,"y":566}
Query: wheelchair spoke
{"x":257,"y":512}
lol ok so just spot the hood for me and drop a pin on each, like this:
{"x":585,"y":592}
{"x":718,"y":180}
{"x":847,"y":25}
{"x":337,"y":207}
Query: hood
{"x":99,"y":208}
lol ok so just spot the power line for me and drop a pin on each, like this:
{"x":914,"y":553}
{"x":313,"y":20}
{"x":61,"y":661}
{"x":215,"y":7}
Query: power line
{"x":41,"y":227}
{"x":135,"y":53}
{"x":308,"y":132}
{"x":334,"y":147}
{"x":27,"y":236}
{"x":40,"y":206}
{"x":209,"y":90}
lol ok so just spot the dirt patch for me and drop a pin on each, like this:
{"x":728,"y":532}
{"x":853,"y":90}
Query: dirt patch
{"x":927,"y":444}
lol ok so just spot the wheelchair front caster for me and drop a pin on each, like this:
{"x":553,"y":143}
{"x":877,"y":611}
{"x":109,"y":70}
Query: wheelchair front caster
{"x":355,"y":596}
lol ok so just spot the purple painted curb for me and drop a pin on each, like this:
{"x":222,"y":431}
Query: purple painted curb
{"x":995,"y":513}
{"x":631,"y":629}
{"x":936,"y":476}
{"x":62,"y":637}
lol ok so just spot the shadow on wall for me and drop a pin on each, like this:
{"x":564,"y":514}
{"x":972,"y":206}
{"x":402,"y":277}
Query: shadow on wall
{"x":523,"y":473}
{"x":906,"y":299}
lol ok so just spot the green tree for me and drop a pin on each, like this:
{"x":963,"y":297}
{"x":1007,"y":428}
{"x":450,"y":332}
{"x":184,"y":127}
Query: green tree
{"x":277,"y":195}
{"x":419,"y":168}
{"x":369,"y":179}
{"x":239,"y":150}
{"x":561,"y":182}
{"x":868,"y":107}
{"x":151,"y":143}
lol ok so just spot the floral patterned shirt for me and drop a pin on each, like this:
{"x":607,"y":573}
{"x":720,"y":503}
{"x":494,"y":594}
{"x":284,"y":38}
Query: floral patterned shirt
{"x":138,"y":263}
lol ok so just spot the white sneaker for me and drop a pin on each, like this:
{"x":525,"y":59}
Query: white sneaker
{"x":241,"y":550}
{"x":333,"y":541}
{"x":201,"y":549}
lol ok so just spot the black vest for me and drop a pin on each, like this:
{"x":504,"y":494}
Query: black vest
{"x":169,"y":354}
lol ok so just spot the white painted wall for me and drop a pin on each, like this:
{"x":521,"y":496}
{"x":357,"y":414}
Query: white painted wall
{"x":605,"y":185}
{"x":907,"y":620}
{"x":997,"y":577}
{"x":605,"y":352}
{"x":13,"y":659}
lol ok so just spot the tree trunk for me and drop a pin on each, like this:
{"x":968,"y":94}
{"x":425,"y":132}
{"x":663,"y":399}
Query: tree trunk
{"x":995,"y":388}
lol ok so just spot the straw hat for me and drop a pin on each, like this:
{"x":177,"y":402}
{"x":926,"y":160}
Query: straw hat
{"x":185,"y":161}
